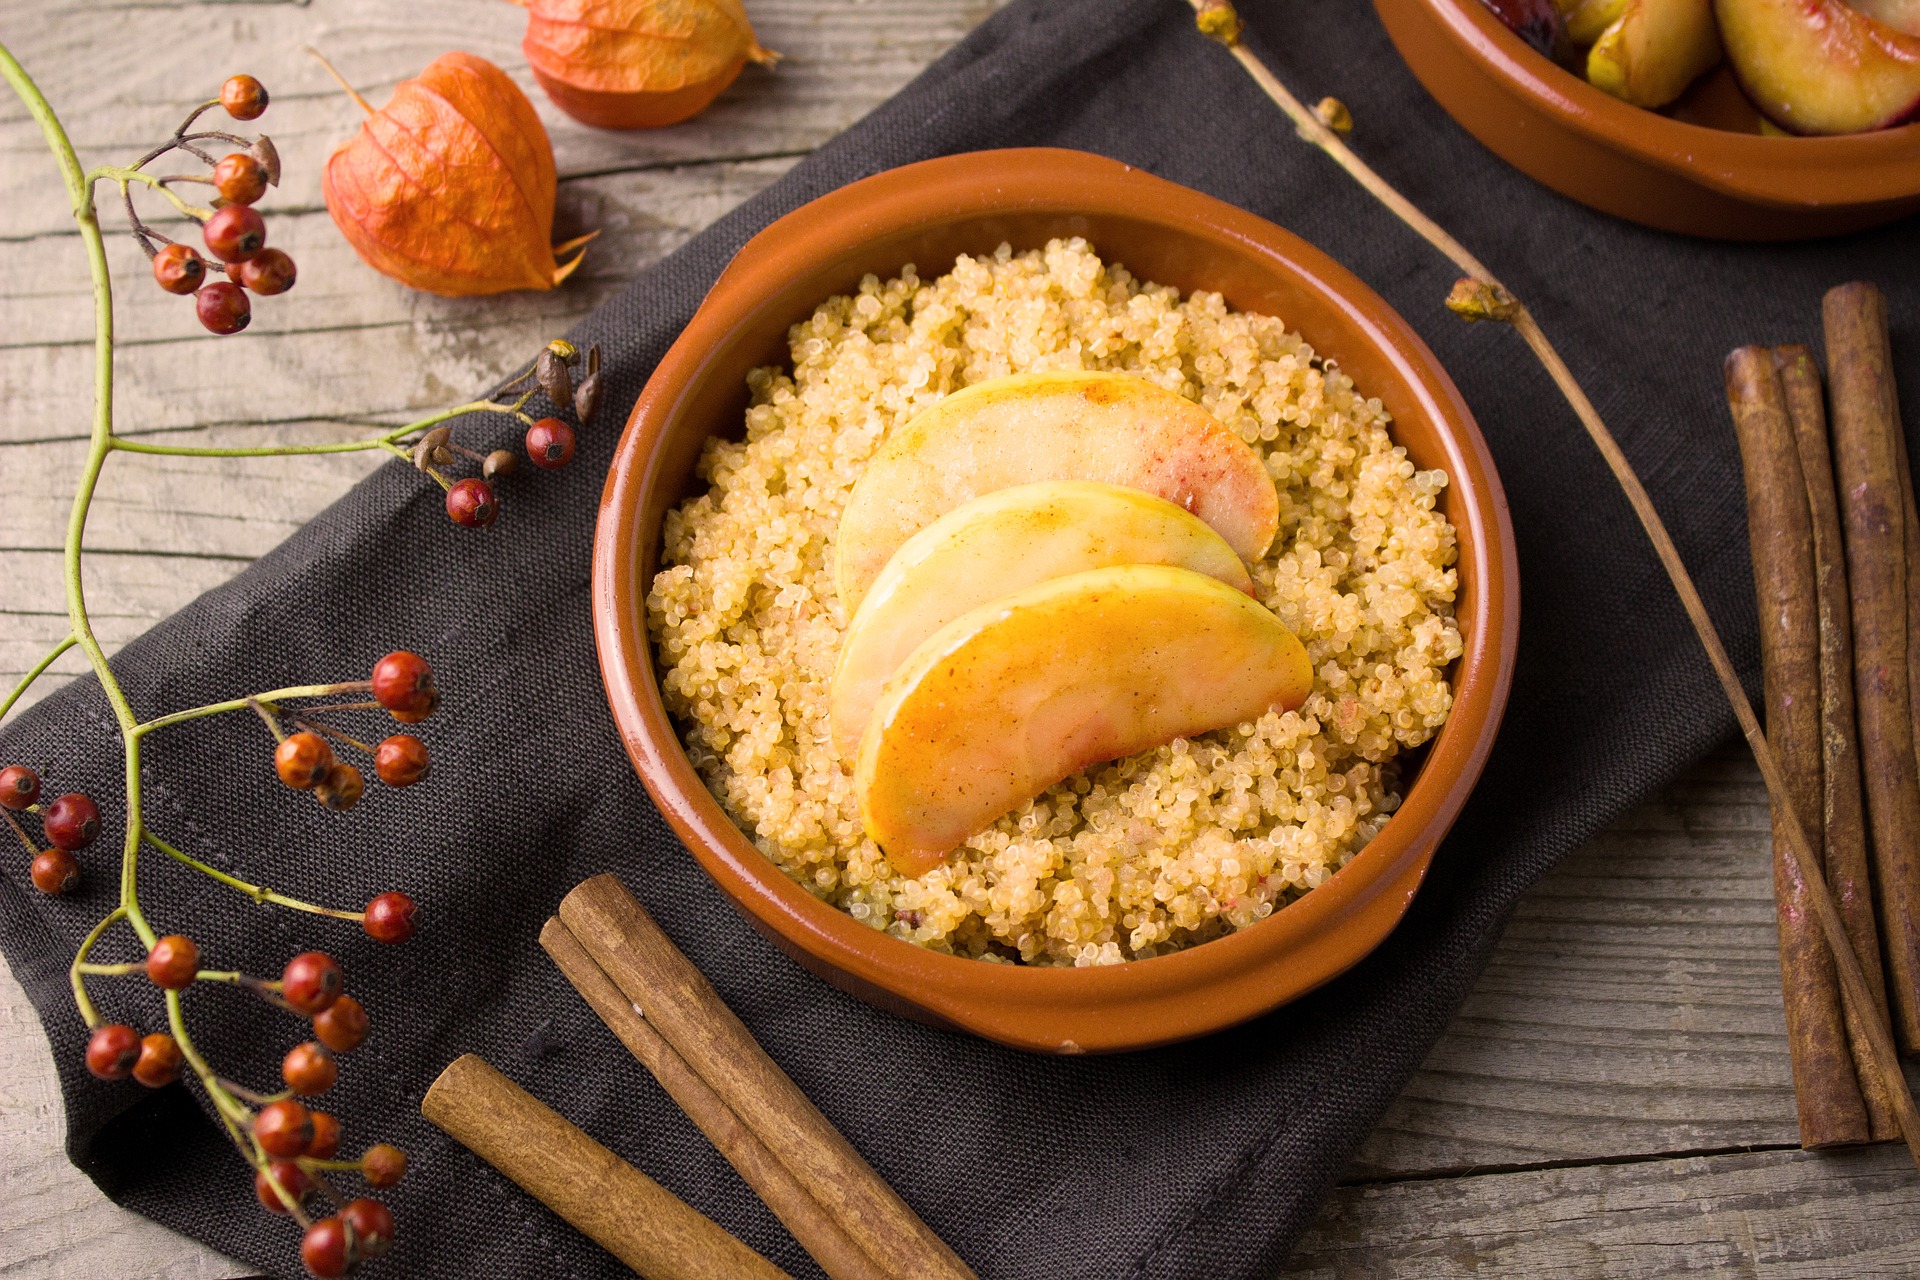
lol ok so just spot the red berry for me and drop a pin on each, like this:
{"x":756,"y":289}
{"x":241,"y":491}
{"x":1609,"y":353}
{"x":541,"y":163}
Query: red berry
{"x":179,"y":268}
{"x":159,"y":1061}
{"x":326,"y":1137}
{"x":372,"y":1226}
{"x":341,"y":789}
{"x":290,"y":1176}
{"x":382,"y":1165}
{"x":19,"y":787}
{"x":415,"y":715}
{"x":240,"y":178}
{"x":327,"y":1248}
{"x":471,"y":505}
{"x":401,"y":760}
{"x":302,"y":760}
{"x":389,"y":918}
{"x":284,"y":1128}
{"x":55,"y":871}
{"x":342,"y":1025}
{"x":267,"y":273}
{"x":311,"y":982}
{"x":550,"y":443}
{"x":235,"y":232}
{"x":243,"y":97}
{"x":112,"y":1050}
{"x":223,"y":307}
{"x":309,"y":1069}
{"x":173,"y":962}
{"x":71,"y":822}
{"x":403,"y":681}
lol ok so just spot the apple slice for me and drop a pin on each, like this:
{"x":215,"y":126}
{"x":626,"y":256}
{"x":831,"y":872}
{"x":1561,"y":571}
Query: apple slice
{"x":994,"y":546}
{"x":1654,"y":50}
{"x":1820,"y":66}
{"x":1111,"y":427}
{"x":1015,"y":695}
{"x":1902,"y":15}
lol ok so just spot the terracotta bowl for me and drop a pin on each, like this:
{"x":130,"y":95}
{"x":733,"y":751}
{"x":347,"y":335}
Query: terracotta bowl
{"x":1703,"y":171}
{"x":926,"y":214}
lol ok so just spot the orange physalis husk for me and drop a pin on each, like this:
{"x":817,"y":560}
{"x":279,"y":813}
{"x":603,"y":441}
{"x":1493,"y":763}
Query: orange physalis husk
{"x":450,"y":186}
{"x":637,"y":64}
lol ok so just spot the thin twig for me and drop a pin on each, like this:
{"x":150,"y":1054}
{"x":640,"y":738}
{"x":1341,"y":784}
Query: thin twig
{"x":1483,"y":297}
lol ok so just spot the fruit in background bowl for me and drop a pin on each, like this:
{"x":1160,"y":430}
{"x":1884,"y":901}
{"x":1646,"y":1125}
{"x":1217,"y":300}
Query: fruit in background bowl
{"x":1021,"y":692}
{"x":1108,"y":427}
{"x":998,"y":544}
{"x":1823,"y":67}
{"x":1538,"y":22}
{"x":1654,"y":50}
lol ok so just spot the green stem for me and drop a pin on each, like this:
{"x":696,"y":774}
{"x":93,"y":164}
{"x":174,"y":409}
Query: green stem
{"x":109,"y":173}
{"x":230,"y":1107}
{"x":110,"y":970}
{"x":35,"y":672}
{"x":385,"y":441}
{"x":80,"y":997}
{"x":254,"y":891}
{"x":250,"y":702}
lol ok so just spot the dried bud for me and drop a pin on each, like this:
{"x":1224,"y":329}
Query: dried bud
{"x":1481,"y":300}
{"x":551,"y":370}
{"x":430,"y":444}
{"x":499,"y":463}
{"x":443,"y":456}
{"x":1218,"y":21}
{"x":1333,"y":113}
{"x":564,"y":349}
{"x":263,"y":150}
{"x":586,"y":397}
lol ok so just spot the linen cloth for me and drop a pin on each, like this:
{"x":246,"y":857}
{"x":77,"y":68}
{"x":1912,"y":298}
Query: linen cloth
{"x":1200,"y":1160}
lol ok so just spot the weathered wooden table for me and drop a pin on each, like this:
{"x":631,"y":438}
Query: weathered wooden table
{"x":1613,"y":1100}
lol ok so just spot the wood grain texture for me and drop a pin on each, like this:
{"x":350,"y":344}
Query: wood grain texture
{"x":1594,"y":1109}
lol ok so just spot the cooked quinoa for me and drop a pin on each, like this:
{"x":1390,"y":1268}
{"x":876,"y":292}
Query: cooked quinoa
{"x":1134,"y":858}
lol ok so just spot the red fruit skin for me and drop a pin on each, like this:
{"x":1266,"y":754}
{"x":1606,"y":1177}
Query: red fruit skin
{"x":112,"y":1050}
{"x":290,"y":1176}
{"x":372,"y":1226}
{"x":55,"y":871}
{"x":240,"y":178}
{"x":311,"y":982}
{"x":402,"y":681}
{"x":19,"y":787}
{"x":383,"y":1165}
{"x":235,"y":232}
{"x":341,"y":789}
{"x":173,"y":962}
{"x":302,"y":760}
{"x":243,"y":97}
{"x":284,"y":1129}
{"x":179,"y":268}
{"x":222,"y":308}
{"x":327,"y":1248}
{"x":71,"y":822}
{"x":309,"y":1069}
{"x":326,"y":1137}
{"x":550,"y":444}
{"x":159,"y":1062}
{"x":471,"y":504}
{"x":401,"y":760}
{"x":343,"y":1026}
{"x":267,"y":273}
{"x":389,"y":918}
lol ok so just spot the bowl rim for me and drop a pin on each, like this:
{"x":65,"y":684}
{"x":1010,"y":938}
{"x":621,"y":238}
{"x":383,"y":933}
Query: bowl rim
{"x":1379,"y":881}
{"x":1790,"y":171}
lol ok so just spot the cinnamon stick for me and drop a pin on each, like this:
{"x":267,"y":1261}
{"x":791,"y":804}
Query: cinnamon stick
{"x":1867,"y":464}
{"x":633,"y":1217}
{"x":682,"y":1005}
{"x":1842,"y":812}
{"x":802,"y":1215}
{"x":1780,"y":529}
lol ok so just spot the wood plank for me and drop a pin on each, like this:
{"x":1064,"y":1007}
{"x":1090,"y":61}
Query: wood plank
{"x":1781,"y":1215}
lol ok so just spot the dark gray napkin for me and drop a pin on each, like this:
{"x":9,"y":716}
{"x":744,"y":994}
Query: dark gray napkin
{"x":1206,"y":1159}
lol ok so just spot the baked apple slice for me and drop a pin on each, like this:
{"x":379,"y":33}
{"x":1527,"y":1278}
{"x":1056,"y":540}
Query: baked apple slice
{"x":1820,"y":66}
{"x":995,"y":545}
{"x":1015,"y":695}
{"x":1109,"y":427}
{"x":1654,"y":50}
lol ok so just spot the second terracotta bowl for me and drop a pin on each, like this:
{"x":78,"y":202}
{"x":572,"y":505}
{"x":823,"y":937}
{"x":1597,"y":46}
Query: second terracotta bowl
{"x":926,"y":214}
{"x":1710,"y":174}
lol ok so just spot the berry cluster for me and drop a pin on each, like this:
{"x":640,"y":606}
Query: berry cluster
{"x":471,"y":502}
{"x":70,"y":823}
{"x":234,"y":232}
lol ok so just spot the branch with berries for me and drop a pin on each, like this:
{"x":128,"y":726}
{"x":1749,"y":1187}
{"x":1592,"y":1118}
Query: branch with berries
{"x":292,"y":1149}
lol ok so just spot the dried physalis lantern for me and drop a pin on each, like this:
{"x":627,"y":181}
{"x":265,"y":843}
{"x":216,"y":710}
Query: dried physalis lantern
{"x":450,"y":186}
{"x":637,"y":64}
